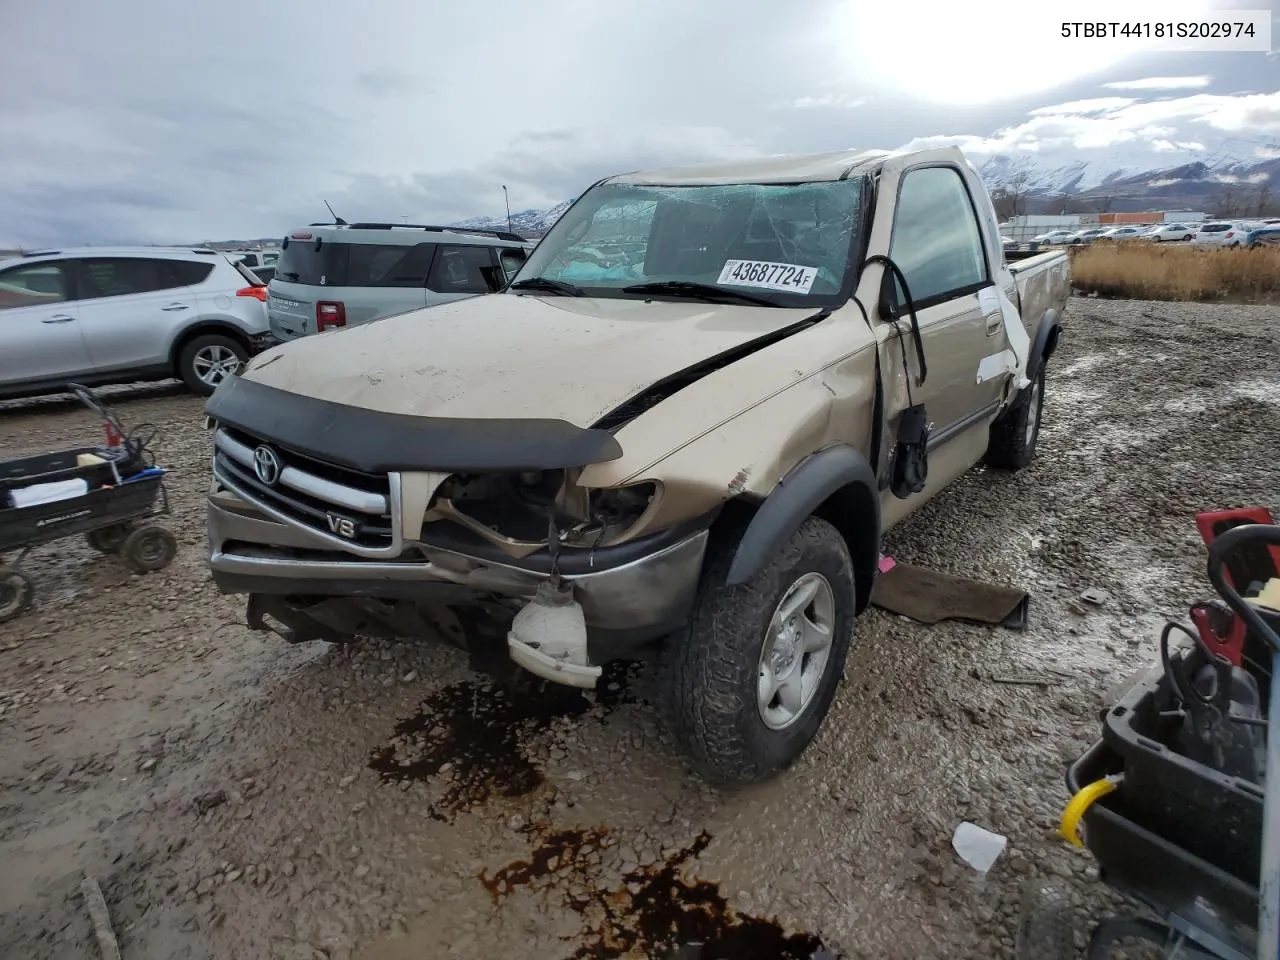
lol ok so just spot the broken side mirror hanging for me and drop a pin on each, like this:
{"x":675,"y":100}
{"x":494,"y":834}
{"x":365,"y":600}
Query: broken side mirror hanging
{"x":911,"y":448}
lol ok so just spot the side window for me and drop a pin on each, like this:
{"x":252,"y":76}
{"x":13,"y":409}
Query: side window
{"x":512,"y":259}
{"x":34,"y":285}
{"x":185,"y":273}
{"x":462,"y":269}
{"x":374,"y":265}
{"x":936,"y":241}
{"x":122,"y":276}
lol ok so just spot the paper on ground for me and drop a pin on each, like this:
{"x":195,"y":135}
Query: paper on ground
{"x":978,"y":847}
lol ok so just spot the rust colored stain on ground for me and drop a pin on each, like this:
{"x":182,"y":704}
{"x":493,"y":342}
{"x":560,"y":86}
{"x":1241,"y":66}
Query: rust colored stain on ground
{"x":473,"y":734}
{"x":654,"y":913}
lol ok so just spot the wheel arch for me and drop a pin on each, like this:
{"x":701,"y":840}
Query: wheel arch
{"x":1046,"y":342}
{"x":200,"y":329}
{"x":835,"y":484}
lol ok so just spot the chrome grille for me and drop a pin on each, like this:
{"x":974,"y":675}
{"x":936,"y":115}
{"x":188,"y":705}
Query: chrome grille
{"x":325,"y":498}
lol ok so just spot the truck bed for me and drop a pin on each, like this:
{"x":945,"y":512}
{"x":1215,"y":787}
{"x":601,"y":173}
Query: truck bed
{"x":1043,"y":283}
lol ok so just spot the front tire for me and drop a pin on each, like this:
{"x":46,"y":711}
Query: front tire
{"x":208,"y":360}
{"x":749,"y":679}
{"x":1015,"y":434}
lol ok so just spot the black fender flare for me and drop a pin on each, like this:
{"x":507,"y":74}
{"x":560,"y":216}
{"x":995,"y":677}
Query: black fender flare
{"x":1046,"y":342}
{"x":839,"y":474}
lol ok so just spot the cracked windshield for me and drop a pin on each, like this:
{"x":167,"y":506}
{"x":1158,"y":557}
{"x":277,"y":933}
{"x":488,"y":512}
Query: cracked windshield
{"x":789,"y":239}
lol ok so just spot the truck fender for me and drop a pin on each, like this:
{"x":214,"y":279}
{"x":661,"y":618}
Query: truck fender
{"x":1046,"y":340}
{"x":838,"y":484}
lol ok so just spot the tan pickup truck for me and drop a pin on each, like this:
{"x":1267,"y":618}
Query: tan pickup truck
{"x":684,"y":426}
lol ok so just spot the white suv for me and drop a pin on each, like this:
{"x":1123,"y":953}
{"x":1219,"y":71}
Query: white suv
{"x":100,"y":315}
{"x":1221,"y":233}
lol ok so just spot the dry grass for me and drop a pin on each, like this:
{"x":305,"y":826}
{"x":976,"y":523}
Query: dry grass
{"x":1164,"y":271}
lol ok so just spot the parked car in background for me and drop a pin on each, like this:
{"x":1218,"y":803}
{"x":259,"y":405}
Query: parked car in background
{"x":1054,"y":237}
{"x":265,"y":274}
{"x":331,"y":276}
{"x":1127,"y":232}
{"x":1166,"y":232}
{"x":1086,"y":236}
{"x":118,"y":314}
{"x":1266,"y":235}
{"x":255,"y":258}
{"x":1221,"y":233}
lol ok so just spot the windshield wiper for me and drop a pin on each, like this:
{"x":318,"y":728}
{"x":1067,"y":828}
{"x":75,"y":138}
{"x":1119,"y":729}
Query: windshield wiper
{"x":548,"y":285}
{"x":698,"y":291}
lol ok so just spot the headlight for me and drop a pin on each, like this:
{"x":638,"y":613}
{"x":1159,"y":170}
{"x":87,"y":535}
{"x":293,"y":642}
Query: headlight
{"x":613,"y":512}
{"x":517,"y":507}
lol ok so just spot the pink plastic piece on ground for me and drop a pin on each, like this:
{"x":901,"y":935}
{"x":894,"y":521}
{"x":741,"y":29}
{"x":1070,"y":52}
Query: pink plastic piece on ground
{"x":887,"y":563}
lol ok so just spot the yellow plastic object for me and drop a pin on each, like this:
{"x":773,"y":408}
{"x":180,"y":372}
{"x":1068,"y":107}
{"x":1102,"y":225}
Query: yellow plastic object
{"x":88,"y":459}
{"x":1069,"y":827}
{"x":1269,"y":597}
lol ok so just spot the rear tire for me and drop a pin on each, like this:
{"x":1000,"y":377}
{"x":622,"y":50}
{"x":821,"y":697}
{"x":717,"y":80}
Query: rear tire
{"x":108,"y":539}
{"x":1014,"y":435}
{"x":148,"y":549}
{"x":16,"y":591}
{"x":209,"y":359}
{"x":744,"y":690}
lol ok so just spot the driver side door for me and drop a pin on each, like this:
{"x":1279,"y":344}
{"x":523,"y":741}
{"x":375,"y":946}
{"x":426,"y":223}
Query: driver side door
{"x":937,"y":242}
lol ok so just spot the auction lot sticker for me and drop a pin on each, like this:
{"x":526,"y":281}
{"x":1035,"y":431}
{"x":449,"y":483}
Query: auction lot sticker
{"x":783,"y":277}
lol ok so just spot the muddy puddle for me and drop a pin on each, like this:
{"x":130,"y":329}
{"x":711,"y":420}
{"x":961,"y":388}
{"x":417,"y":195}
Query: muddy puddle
{"x":478,"y":740}
{"x":650,"y":910}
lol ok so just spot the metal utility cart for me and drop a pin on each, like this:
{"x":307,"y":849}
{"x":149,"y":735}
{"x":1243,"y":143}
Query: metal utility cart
{"x":1179,"y":802}
{"x":110,"y":494}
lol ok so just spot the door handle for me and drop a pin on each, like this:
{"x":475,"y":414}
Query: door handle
{"x":58,"y":318}
{"x":176,"y":306}
{"x":995,"y":323}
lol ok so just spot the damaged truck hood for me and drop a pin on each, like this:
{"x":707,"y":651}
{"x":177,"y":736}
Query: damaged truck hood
{"x":494,"y":381}
{"x":513,"y":356}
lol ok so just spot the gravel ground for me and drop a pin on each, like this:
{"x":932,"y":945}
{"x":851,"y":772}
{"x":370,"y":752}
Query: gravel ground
{"x":238,"y":797}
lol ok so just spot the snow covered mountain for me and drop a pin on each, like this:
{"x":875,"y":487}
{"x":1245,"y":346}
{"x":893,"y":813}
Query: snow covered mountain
{"x":1237,"y":177}
{"x":527,"y":223}
{"x":1237,"y":173}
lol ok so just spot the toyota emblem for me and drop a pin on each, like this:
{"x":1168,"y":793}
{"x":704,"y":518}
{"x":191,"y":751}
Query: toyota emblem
{"x":266,"y":465}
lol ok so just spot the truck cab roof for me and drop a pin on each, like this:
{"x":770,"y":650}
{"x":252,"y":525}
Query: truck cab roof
{"x":798,"y":168}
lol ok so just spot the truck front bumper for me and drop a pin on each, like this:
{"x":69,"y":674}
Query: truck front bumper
{"x":627,"y":597}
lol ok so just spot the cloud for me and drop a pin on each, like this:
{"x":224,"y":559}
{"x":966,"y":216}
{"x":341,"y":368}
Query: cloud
{"x":431,"y":108}
{"x":1096,"y":105}
{"x":1065,"y":128}
{"x":390,"y":82}
{"x":1161,"y":83}
{"x":831,"y":101}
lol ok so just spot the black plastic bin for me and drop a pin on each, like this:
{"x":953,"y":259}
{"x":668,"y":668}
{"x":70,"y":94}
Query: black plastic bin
{"x":55,"y":467}
{"x":1214,"y":817}
{"x":1153,"y":869}
{"x":23,"y":527}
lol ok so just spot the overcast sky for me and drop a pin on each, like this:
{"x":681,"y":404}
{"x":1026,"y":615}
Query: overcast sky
{"x":159,"y":120}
